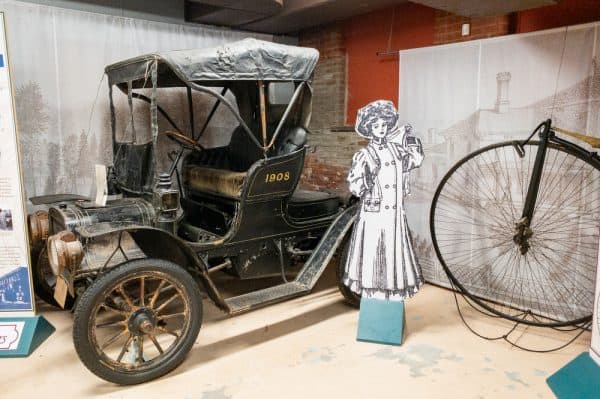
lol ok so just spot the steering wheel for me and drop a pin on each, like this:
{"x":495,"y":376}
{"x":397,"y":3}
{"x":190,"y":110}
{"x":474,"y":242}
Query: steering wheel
{"x":183,"y":140}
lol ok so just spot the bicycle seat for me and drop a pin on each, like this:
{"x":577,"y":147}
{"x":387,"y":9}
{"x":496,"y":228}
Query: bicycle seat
{"x":594,"y":142}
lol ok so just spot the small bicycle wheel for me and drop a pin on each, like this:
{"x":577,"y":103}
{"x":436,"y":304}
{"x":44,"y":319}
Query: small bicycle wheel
{"x":474,"y":217}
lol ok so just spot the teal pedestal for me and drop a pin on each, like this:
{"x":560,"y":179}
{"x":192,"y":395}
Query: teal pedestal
{"x":20,"y":336}
{"x":381,"y":322}
{"x":579,"y":379}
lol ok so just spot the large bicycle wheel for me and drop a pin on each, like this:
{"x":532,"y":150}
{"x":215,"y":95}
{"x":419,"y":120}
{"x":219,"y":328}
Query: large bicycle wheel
{"x":474,"y":217}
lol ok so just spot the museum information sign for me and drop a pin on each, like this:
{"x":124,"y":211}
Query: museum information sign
{"x":16,"y":294}
{"x":20,"y":330}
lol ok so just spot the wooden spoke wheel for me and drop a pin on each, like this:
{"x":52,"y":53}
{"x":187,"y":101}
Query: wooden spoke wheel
{"x":138,"y":321}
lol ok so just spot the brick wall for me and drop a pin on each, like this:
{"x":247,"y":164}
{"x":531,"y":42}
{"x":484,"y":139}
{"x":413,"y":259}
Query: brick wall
{"x":329,"y":153}
{"x":448,"y":27}
{"x":329,"y":84}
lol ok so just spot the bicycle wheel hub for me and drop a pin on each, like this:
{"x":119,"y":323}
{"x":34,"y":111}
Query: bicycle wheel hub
{"x":522,"y":236}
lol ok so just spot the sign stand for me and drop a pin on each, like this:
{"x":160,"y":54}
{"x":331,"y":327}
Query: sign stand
{"x":580,"y":378}
{"x":381,"y":321}
{"x":21,"y":331}
{"x":20,"y":336}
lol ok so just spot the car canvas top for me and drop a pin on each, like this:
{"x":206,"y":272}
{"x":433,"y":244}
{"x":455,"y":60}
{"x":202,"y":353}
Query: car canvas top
{"x":248,"y":59}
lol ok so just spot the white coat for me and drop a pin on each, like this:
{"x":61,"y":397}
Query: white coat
{"x":381,"y":262}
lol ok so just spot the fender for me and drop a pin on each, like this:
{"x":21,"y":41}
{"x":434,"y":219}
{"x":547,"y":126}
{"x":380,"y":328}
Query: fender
{"x":157,"y":243}
{"x":331,"y":240}
{"x":54,"y":198}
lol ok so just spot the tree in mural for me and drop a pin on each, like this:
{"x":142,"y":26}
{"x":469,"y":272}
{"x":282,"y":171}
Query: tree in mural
{"x":70,"y":166}
{"x":33,"y":121}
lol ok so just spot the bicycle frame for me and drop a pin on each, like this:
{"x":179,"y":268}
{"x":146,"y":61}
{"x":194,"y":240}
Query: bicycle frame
{"x":546,"y":134}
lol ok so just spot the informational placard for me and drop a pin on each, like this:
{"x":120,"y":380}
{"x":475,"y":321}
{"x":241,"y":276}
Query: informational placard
{"x":10,"y":334}
{"x":16,"y":294}
{"x":595,"y":348}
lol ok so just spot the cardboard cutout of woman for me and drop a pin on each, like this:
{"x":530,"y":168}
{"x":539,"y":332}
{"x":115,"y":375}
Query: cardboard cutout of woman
{"x":382,"y":262}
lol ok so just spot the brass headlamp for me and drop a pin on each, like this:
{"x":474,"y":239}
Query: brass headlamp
{"x":38,"y":227}
{"x":64,"y":252}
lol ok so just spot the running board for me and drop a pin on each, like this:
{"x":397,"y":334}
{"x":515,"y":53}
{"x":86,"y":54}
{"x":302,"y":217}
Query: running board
{"x":264,"y":297}
{"x":308,"y":275}
{"x":325,"y":249}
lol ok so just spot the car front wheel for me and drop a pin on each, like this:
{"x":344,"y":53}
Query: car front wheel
{"x":138,"y":321}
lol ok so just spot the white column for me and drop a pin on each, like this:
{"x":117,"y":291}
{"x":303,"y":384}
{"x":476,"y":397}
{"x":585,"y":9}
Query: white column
{"x":502,"y":103}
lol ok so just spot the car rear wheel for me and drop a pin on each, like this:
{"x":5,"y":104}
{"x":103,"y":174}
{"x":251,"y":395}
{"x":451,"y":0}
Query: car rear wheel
{"x":138,"y":321}
{"x":350,"y":297}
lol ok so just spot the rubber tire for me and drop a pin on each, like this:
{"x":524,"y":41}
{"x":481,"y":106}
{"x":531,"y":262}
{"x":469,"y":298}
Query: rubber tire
{"x":87,"y":301}
{"x":41,"y":288}
{"x":350,"y":297}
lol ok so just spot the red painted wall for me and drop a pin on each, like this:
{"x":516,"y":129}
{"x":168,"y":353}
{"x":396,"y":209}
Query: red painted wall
{"x":567,"y":12}
{"x":369,"y":76}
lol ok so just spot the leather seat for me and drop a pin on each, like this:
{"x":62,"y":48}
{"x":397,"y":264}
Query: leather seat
{"x":241,"y":154}
{"x":214,"y":181}
{"x":222,"y":171}
{"x":306,"y":204}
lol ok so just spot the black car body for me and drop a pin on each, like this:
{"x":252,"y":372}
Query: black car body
{"x":234,"y":208}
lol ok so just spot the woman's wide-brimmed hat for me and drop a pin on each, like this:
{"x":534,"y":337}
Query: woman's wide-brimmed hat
{"x":380,"y":109}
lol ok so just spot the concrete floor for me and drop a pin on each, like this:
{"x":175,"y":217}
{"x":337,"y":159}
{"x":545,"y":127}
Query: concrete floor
{"x":307,"y":348}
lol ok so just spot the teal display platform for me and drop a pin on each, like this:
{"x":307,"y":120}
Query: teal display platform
{"x":579,"y":379}
{"x":20,"y":336}
{"x":381,"y":321}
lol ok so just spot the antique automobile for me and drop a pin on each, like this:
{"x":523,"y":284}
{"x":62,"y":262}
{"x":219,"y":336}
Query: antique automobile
{"x":135,"y":268}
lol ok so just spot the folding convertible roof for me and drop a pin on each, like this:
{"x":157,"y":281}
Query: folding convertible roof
{"x":247,"y":59}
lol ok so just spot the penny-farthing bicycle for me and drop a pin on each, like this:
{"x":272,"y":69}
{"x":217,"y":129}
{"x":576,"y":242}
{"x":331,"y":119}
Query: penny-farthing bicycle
{"x":515,"y":227}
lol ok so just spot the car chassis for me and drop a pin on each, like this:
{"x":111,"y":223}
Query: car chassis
{"x":134,"y":268}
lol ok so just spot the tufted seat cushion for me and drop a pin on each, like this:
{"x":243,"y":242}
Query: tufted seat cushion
{"x":214,"y":181}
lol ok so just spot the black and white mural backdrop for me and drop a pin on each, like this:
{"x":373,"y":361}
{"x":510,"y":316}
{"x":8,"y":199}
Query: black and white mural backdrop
{"x":464,"y":96}
{"x":58,"y":57}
